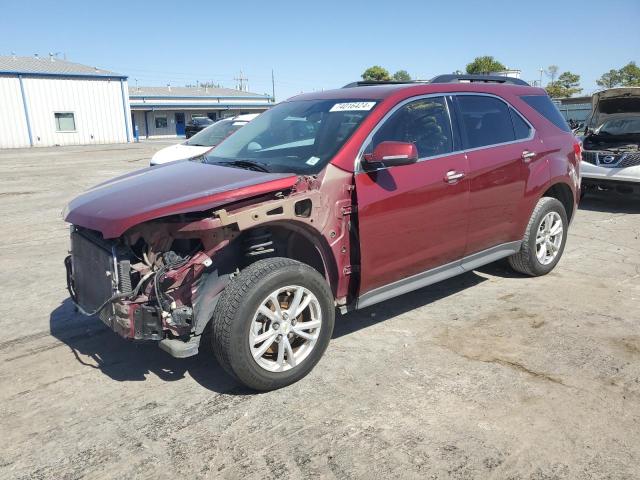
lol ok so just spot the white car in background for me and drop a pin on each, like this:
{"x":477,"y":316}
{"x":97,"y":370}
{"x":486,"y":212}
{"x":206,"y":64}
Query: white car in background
{"x":202,"y":141}
{"x":611,"y":145}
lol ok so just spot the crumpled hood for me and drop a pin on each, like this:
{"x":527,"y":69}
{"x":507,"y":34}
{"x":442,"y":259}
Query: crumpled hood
{"x":115,"y":206}
{"x":614,"y":102}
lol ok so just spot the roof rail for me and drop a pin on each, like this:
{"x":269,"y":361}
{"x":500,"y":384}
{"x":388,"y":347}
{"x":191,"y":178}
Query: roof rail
{"x":364,"y":83}
{"x":453,"y":78}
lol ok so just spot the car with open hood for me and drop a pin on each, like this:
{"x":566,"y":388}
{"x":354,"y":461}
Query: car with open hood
{"x":332,"y":200}
{"x":611,"y":144}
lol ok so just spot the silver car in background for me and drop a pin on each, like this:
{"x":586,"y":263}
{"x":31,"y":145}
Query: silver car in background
{"x":611,"y":144}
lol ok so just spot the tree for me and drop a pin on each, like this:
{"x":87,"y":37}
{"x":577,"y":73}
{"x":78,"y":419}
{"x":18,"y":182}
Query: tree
{"x":630,"y":75}
{"x":376,"y":73}
{"x":486,"y":64}
{"x":402,"y":76}
{"x":566,"y":85}
{"x":552,"y":71}
{"x":610,"y":79}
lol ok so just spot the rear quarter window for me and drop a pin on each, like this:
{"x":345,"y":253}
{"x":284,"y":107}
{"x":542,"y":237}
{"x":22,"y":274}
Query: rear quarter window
{"x":521,"y":128}
{"x":545,"y":107}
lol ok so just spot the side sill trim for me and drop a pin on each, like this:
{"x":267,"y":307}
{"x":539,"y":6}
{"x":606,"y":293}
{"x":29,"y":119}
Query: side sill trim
{"x":437,"y":274}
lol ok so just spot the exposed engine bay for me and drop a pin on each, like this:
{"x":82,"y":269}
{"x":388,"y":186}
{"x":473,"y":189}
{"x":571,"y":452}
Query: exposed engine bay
{"x":160,"y":280}
{"x":613,"y":135}
{"x":610,"y":152}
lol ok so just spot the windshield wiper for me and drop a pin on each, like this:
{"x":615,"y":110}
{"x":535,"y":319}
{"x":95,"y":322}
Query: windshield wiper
{"x":248,"y":164}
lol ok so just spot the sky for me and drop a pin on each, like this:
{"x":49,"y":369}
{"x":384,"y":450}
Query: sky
{"x":324,"y":44}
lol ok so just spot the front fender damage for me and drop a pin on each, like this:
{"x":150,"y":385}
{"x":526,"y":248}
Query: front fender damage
{"x":186,"y":261}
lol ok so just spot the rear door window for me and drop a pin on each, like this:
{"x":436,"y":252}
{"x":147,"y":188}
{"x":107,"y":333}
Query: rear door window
{"x":545,"y":107}
{"x":485,"y":121}
{"x":423,"y":122}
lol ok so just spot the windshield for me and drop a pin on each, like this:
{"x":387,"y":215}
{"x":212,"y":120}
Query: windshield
{"x":293,"y":137}
{"x":213,"y":135}
{"x":201,"y":121}
{"x":620,"y":126}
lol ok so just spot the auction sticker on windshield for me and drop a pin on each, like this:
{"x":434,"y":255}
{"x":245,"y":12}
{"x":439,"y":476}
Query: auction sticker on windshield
{"x":352,"y":106}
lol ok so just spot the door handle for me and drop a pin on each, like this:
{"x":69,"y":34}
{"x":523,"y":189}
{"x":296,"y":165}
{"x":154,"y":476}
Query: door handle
{"x":452,"y":176}
{"x":527,"y":156}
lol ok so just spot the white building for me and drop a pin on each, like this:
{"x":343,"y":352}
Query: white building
{"x":165,"y":111}
{"x":48,"y":101}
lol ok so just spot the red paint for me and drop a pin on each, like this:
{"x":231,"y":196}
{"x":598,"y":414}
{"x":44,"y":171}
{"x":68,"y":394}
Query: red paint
{"x":410,"y":218}
{"x":390,"y":153}
{"x":179,"y":187}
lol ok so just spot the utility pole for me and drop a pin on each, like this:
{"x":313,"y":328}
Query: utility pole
{"x":241,"y":79}
{"x":541,"y":72}
{"x":273,"y":88}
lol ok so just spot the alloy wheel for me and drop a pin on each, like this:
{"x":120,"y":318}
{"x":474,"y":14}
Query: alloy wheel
{"x":549,"y":238}
{"x":285,"y":328}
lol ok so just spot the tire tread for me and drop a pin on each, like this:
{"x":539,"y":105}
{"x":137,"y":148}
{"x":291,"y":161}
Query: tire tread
{"x":230,"y":302}
{"x":522,"y":261}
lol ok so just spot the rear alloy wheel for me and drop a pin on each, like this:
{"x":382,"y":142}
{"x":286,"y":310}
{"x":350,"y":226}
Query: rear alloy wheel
{"x":549,"y":238}
{"x":544,"y":239}
{"x":272,"y":323}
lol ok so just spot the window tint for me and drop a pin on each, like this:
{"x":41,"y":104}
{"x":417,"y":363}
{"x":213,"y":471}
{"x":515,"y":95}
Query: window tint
{"x":65,"y":122}
{"x":522,"y":128}
{"x":423,"y":122}
{"x":161,"y":122}
{"x":485,"y":120}
{"x":545,"y":107}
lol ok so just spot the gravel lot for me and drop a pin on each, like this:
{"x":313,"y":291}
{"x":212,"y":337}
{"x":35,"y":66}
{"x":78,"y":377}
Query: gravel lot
{"x":488,"y":375}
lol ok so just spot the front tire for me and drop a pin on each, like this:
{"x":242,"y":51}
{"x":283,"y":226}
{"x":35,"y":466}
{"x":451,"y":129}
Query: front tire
{"x":544,"y":239}
{"x":272,"y":323}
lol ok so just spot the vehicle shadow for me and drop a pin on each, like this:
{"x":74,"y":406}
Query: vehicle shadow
{"x":383,"y":311}
{"x":610,"y":202}
{"x":94,"y":345}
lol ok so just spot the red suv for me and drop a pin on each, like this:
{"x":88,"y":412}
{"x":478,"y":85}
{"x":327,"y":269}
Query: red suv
{"x":343,"y":198}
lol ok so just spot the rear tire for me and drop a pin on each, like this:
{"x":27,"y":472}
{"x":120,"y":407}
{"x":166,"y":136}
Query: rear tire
{"x":544,"y":239}
{"x":260,"y":335}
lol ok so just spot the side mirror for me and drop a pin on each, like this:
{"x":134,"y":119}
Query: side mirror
{"x":392,"y":154}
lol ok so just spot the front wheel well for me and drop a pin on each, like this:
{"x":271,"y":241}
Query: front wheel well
{"x":563,"y":193}
{"x":289,"y":241}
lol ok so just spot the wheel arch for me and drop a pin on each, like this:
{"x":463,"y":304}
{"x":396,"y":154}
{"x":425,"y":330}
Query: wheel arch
{"x":292,"y":239}
{"x":304,"y":244}
{"x":562,"y":192}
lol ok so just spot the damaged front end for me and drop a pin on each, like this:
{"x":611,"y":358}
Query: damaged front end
{"x":161,"y":279}
{"x":144,"y":284}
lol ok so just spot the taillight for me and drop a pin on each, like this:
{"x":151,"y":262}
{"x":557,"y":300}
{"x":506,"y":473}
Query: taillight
{"x":577,"y":149}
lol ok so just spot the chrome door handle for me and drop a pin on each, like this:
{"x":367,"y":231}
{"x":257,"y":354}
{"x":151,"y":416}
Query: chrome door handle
{"x":452,"y":176}
{"x":527,"y":156}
